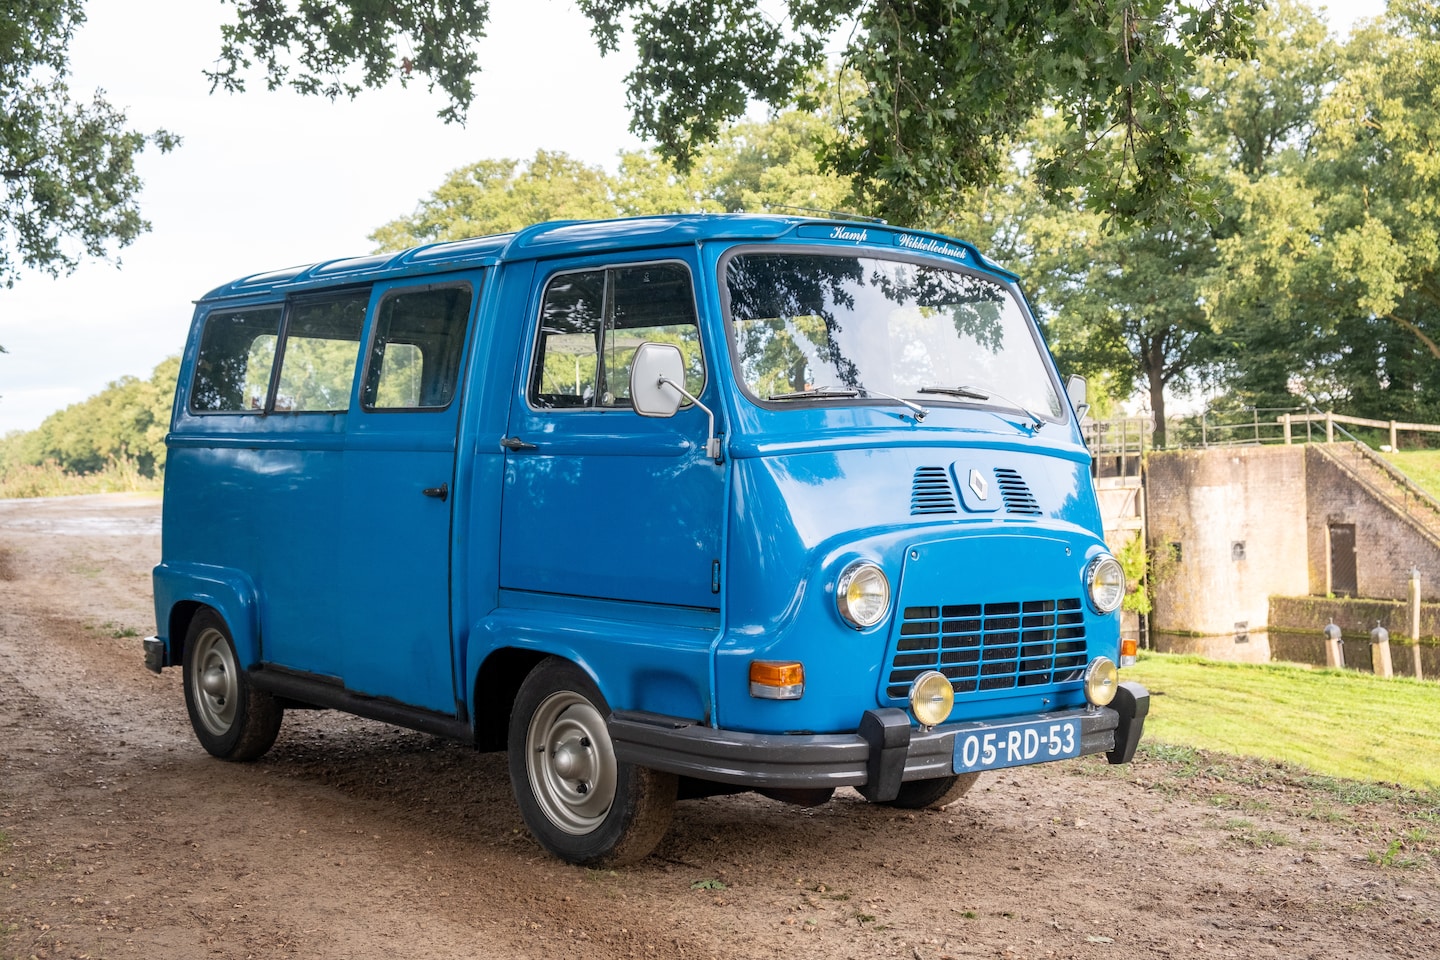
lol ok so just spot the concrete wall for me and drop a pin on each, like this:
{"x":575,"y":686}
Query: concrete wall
{"x":1386,"y":547}
{"x":1353,"y":617}
{"x":1239,"y":515}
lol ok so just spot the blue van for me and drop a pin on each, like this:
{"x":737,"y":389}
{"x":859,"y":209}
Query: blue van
{"x":664,"y":507}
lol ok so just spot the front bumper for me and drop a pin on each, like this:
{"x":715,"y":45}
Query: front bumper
{"x":884,"y":752}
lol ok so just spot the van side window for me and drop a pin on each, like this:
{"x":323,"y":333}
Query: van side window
{"x":322,"y":344}
{"x":237,"y":354}
{"x":415,"y":357}
{"x":591,"y":323}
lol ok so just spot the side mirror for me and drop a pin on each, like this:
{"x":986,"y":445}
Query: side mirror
{"x":1075,"y":389}
{"x":657,"y":378}
{"x":654,"y":365}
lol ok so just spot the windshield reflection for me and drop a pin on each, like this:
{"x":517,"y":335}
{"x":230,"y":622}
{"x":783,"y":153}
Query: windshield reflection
{"x":827,"y":327}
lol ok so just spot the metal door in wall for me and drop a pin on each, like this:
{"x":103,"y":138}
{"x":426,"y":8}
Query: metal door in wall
{"x":1343,"y":579}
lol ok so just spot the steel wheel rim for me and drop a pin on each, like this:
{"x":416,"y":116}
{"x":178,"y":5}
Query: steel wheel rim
{"x":214,"y":682}
{"x":571,"y":762}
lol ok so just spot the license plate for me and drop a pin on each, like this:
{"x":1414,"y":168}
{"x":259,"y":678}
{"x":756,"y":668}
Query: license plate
{"x":1016,"y":744}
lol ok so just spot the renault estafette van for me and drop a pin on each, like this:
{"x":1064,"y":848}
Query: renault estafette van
{"x":665,"y":507}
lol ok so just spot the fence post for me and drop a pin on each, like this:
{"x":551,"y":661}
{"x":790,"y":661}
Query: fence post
{"x":1329,"y":426}
{"x":1394,"y":444}
{"x":1287,"y":429}
{"x":1334,"y":646}
{"x":1380,"y":652}
{"x":1415,"y":619}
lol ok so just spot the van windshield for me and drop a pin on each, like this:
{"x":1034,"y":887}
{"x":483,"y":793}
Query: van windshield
{"x":821,"y":327}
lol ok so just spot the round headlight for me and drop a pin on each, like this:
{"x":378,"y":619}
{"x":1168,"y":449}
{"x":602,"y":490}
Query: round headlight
{"x":1101,"y":679}
{"x":931,"y":698}
{"x":1105,"y":582}
{"x":863,"y":594}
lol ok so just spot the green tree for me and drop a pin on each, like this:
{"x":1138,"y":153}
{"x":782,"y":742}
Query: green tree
{"x":1126,"y":301}
{"x":67,"y":166}
{"x":1332,"y":270}
{"x":498,"y":196}
{"x":127,"y":420}
{"x":943,"y":86}
{"x":751,"y":166}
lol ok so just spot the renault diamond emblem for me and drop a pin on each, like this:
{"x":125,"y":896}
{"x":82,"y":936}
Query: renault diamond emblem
{"x":978,"y":484}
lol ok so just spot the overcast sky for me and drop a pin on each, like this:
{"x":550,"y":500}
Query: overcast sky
{"x":266,"y":180}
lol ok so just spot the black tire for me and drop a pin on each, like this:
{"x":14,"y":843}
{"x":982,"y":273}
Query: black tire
{"x":579,"y":802}
{"x":232,"y":719}
{"x":933,"y":794}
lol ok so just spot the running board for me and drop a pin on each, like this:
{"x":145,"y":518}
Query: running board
{"x":331,"y":695}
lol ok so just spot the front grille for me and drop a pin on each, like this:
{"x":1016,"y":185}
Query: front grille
{"x":992,"y":646}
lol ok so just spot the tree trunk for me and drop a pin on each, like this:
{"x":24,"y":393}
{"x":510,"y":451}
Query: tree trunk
{"x":1155,"y":376}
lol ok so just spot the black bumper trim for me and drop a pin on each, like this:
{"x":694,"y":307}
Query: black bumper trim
{"x":869,"y":758}
{"x":1132,"y":703}
{"x":155,"y":654}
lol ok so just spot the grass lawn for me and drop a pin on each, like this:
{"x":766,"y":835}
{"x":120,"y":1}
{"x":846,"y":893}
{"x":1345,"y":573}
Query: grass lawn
{"x":1422,"y":466}
{"x":1339,"y":723}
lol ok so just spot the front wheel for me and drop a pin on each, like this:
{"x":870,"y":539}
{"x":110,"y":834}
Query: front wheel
{"x":582,"y":804}
{"x":933,"y":794}
{"x":232,"y":719}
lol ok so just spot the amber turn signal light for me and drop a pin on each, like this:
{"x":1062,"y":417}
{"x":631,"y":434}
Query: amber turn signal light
{"x":1128,"y":649}
{"x":777,"y":679}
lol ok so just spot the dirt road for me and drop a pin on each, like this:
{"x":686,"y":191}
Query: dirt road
{"x":120,"y":837}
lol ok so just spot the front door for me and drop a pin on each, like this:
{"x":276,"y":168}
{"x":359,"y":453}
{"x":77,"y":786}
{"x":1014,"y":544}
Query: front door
{"x":599,"y":501}
{"x":399,"y":481}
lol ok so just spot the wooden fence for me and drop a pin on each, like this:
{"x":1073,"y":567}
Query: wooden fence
{"x":1288,"y":420}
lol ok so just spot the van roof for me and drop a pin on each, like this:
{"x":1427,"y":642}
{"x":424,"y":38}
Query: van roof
{"x":572,"y":237}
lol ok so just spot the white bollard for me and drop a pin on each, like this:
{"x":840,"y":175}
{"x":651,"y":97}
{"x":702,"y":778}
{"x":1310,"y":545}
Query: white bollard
{"x":1380,"y":651}
{"x":1334,"y":646}
{"x":1415,"y":620}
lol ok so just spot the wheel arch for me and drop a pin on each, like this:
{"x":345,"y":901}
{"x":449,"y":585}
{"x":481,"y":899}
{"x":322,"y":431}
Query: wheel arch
{"x":183,"y":590}
{"x":496,"y":683}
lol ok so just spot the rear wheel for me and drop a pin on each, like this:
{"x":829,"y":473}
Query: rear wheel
{"x":232,"y":719}
{"x":934,"y":794}
{"x":581,"y":803}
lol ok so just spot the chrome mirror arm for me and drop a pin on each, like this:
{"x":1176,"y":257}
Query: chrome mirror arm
{"x":712,"y":442}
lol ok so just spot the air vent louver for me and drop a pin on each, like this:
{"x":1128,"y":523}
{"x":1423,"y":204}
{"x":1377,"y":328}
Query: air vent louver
{"x":931,"y":492}
{"x":1015,"y":493}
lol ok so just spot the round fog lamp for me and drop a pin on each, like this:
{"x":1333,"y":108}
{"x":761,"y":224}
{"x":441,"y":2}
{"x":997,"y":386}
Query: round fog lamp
{"x":1105,"y":582}
{"x":931,"y":698}
{"x":863,"y":594}
{"x":1102,"y":678}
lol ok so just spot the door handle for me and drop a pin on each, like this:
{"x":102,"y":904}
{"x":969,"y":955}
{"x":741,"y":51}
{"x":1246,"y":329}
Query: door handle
{"x":439,"y":493}
{"x":515,"y":443}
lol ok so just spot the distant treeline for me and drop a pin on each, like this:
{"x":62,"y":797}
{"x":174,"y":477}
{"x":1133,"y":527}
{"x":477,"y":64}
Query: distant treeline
{"x":119,"y":432}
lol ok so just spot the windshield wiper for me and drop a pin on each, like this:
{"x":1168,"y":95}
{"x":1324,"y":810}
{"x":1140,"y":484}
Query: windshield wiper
{"x":968,"y":392}
{"x":817,"y":393}
{"x":848,"y":393}
{"x":975,"y":393}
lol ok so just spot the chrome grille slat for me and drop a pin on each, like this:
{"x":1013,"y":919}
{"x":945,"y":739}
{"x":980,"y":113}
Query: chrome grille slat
{"x":995,"y":646}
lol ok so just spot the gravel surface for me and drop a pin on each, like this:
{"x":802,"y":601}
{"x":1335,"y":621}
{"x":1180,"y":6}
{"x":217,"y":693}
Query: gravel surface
{"x":121,"y":837}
